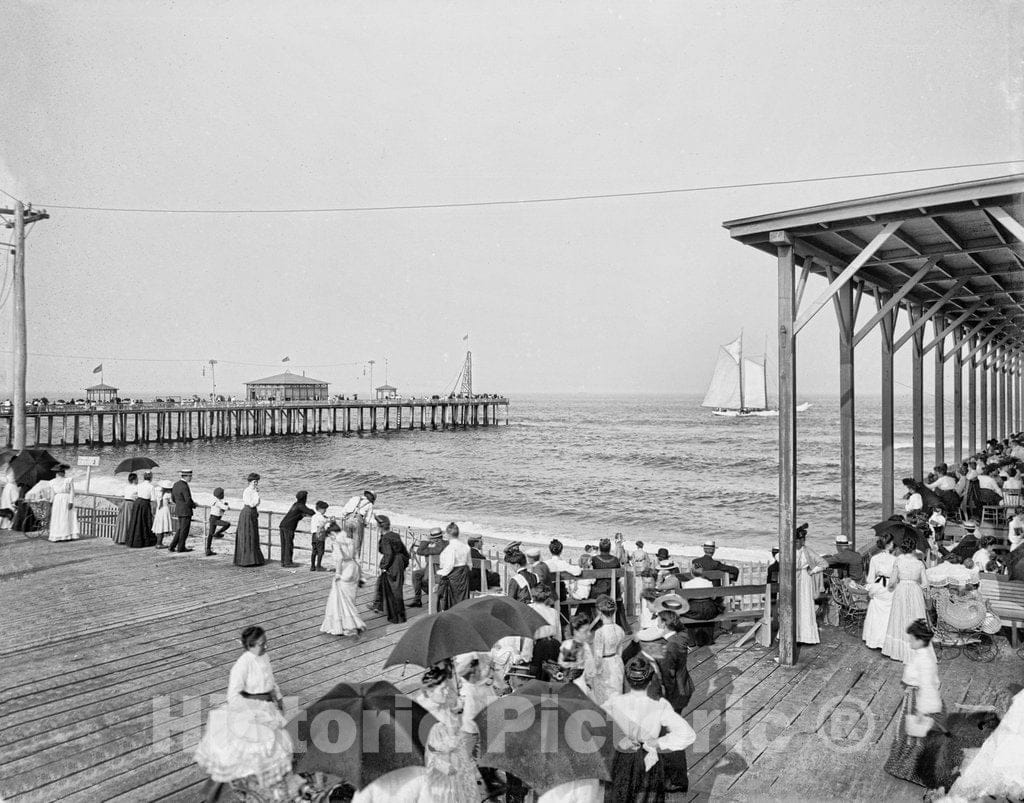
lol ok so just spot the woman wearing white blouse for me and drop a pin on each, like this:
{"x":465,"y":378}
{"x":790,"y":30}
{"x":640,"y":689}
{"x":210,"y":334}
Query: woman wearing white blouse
{"x":247,"y":536}
{"x":648,"y":727}
{"x":124,"y":513}
{"x":247,"y":736}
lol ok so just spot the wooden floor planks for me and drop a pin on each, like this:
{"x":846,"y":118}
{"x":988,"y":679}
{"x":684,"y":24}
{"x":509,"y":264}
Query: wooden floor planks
{"x":97,"y":638}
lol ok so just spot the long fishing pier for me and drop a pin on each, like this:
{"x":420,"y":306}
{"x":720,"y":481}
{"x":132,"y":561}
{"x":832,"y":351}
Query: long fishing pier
{"x":113,"y":424}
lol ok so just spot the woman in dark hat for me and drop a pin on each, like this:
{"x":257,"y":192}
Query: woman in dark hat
{"x":247,"y":536}
{"x":639,"y":722}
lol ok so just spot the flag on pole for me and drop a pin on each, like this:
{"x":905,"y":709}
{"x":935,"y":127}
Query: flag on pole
{"x":465,"y":337}
{"x":98,"y":369}
{"x":287,"y":359}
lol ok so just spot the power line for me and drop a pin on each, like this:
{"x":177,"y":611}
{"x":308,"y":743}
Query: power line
{"x":184,"y":360}
{"x":521,"y":201}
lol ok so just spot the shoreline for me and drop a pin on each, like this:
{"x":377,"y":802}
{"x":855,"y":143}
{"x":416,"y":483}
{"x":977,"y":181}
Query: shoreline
{"x":114,"y":486}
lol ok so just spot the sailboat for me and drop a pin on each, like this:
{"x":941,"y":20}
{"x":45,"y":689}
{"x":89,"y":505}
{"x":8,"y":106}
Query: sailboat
{"x":739,"y":385}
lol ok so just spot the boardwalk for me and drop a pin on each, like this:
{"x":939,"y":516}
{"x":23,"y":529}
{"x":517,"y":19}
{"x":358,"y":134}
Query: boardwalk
{"x":106,"y":654}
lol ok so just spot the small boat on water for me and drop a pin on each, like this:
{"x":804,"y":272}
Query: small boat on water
{"x":739,"y":385}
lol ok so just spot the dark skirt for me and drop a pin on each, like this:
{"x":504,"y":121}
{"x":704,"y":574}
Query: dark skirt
{"x":25,"y":520}
{"x":907,"y":752}
{"x":389,"y":588}
{"x":702,"y":635}
{"x":631,"y":783}
{"x":247,"y":539}
{"x":140,"y":525}
{"x":453,"y":588}
{"x":124,"y":517}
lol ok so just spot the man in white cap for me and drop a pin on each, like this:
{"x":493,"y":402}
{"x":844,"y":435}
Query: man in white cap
{"x":183,"y":505}
{"x":847,"y":559}
{"x":708,"y":563}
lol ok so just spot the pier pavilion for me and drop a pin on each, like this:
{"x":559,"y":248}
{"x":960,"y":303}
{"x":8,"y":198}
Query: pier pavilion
{"x":951,"y":257}
{"x":286,"y":387}
{"x":101,"y":393}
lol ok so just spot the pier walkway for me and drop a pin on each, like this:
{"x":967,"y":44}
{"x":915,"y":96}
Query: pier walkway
{"x":102,"y":424}
{"x":110,"y":656}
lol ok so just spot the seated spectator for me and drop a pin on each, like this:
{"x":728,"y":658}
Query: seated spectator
{"x":914,"y":502}
{"x":669,"y":578}
{"x":708,"y":563}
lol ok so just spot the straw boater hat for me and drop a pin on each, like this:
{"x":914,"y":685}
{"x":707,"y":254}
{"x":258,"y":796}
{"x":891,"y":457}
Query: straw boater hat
{"x":435,"y":533}
{"x":533,"y":552}
{"x":670,"y":602}
{"x":842,"y":539}
{"x":709,"y":544}
{"x":970,"y":526}
{"x":668,"y":564}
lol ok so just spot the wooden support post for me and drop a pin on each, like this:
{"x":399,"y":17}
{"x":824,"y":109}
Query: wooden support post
{"x":787,"y":447}
{"x":846,"y":315}
{"x":1003,"y":432}
{"x":983,"y":397}
{"x":940,"y":407}
{"x":958,"y":403}
{"x":917,"y":393}
{"x":972,"y":401}
{"x":887,"y":327}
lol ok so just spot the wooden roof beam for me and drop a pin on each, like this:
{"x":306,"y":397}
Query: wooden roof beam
{"x":986,"y":340}
{"x":895,"y":299}
{"x":927,"y":316}
{"x":848,"y":273}
{"x":967,"y":313}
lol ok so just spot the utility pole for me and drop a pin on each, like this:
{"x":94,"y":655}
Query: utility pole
{"x":213,"y":379}
{"x":371,"y":362}
{"x":20,"y":327}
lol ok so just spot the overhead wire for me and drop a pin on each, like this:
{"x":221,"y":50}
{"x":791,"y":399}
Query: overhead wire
{"x":520,"y":201}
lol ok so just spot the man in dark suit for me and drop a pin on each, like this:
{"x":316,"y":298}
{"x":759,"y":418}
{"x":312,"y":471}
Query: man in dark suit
{"x":426,"y":551}
{"x":290,"y":521}
{"x":847,"y":559}
{"x":475,"y":553}
{"x":708,"y":563}
{"x":182,"y":507}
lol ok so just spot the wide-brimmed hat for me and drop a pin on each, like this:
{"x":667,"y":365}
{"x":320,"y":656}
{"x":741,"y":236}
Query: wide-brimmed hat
{"x":709,"y":544}
{"x":668,"y":564}
{"x":670,"y":602}
{"x":435,"y":533}
{"x":650,"y":634}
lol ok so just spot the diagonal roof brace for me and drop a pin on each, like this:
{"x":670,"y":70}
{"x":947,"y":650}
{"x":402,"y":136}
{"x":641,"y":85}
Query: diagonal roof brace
{"x":1010,"y":223}
{"x":987,"y":339}
{"x":957,"y":341}
{"x":896,"y":298}
{"x":848,"y":273}
{"x":927,"y":316}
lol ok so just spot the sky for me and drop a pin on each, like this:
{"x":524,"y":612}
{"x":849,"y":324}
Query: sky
{"x":275,"y":106}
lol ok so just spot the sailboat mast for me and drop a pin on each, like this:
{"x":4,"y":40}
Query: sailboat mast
{"x":742,"y":405}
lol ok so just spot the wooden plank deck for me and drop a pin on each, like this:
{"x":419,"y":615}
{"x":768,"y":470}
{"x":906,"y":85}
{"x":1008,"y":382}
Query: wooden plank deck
{"x":110,"y":656}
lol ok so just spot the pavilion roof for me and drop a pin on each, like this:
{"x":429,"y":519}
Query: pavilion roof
{"x":960,"y":247}
{"x":101,"y":386}
{"x":287,"y":379}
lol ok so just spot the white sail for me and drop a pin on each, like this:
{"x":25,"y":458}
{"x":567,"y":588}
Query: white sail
{"x":724,"y":390}
{"x":755,"y":391}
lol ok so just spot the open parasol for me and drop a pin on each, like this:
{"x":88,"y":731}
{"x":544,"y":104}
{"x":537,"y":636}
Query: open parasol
{"x":135,"y":464}
{"x":547,"y":734}
{"x":361,"y":731}
{"x":32,"y":466}
{"x":433,"y":638}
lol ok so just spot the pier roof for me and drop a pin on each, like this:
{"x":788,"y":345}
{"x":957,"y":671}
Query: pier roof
{"x":101,"y":386}
{"x":958,"y":248}
{"x":287,"y":379}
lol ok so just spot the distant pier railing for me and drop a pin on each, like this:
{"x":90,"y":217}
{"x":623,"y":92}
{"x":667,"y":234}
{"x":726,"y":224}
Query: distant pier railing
{"x":115,"y":424}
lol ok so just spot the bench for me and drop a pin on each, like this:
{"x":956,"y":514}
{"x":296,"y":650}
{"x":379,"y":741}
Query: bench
{"x":1007,"y":599}
{"x":760,"y":614}
{"x":624,"y":594}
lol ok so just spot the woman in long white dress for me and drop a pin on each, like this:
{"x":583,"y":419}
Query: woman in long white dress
{"x":246,"y":736}
{"x":63,"y":517}
{"x":808,"y":564}
{"x":906,"y":584}
{"x":609,"y":639}
{"x":876,"y":621}
{"x":162,"y":523}
{"x":341,"y":617}
{"x":124,"y":513}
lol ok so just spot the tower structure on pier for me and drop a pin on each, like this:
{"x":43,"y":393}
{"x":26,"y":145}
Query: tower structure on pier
{"x":466,"y":388}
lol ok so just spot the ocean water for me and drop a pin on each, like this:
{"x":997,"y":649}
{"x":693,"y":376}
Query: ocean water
{"x":577,"y":467}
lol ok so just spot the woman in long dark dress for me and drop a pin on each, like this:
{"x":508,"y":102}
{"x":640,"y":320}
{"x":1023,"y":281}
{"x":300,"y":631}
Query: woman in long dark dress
{"x":140,"y":521}
{"x":677,"y":686}
{"x":247,"y":535}
{"x":391,"y":582}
